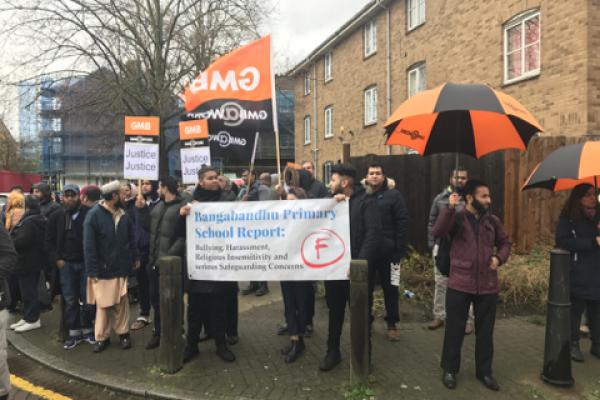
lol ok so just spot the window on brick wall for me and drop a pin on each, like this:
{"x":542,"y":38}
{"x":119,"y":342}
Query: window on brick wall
{"x":307,"y":129}
{"x":371,"y":105}
{"x":329,"y":122}
{"x":417,"y":79}
{"x":327,"y":166}
{"x":415,"y":13}
{"x":370,"y":40}
{"x":522,"y":45}
{"x":328,"y":70}
{"x":306,"y":83}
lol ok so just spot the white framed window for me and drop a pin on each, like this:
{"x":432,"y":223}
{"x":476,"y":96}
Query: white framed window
{"x":415,"y":13}
{"x":522,"y":47}
{"x":306,"y":83}
{"x":417,"y":79}
{"x":329,"y":122}
{"x":307,"y":129}
{"x":370,"y":39}
{"x":328,"y":70}
{"x":371,"y":105}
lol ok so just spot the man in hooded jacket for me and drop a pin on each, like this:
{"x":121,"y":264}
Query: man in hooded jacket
{"x":160,"y":220}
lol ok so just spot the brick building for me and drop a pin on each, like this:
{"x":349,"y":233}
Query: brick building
{"x":539,"y":51}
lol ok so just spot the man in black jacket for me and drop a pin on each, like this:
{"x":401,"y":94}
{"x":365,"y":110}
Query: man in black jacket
{"x":8,"y":266}
{"x":145,"y":201}
{"x":316,"y":189}
{"x":392,"y":248}
{"x":109,"y":252}
{"x":206,"y":299}
{"x":160,"y":221}
{"x":365,"y":234}
{"x":64,"y":244}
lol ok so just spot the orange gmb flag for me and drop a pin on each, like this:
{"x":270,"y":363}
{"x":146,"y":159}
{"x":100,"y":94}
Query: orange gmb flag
{"x":194,"y":129}
{"x":244,"y":74}
{"x":143,"y":126}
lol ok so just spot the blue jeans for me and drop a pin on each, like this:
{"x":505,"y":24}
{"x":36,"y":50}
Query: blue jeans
{"x":78,"y":314}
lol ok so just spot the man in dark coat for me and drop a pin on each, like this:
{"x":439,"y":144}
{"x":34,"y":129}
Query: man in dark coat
{"x":365,"y":234}
{"x":8,"y":266}
{"x":64,"y":244}
{"x":28,"y":239}
{"x":160,"y":221}
{"x":206,"y":299}
{"x":48,"y":206}
{"x":479,"y":246}
{"x":145,"y":201}
{"x":110,"y":252}
{"x":392,"y":247}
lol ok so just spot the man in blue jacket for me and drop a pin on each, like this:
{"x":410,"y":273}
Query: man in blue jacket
{"x":109,"y":252}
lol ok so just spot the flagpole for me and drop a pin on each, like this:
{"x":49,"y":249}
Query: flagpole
{"x":275,"y":119}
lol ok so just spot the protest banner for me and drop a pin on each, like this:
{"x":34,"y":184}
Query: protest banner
{"x":195,"y":151}
{"x":141,"y":150}
{"x":236,"y":95}
{"x":269,"y":240}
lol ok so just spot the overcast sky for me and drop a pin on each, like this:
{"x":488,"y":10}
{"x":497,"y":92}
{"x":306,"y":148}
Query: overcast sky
{"x":296,"y":28}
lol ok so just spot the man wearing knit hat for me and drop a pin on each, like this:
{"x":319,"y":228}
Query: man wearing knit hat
{"x":110,"y":253}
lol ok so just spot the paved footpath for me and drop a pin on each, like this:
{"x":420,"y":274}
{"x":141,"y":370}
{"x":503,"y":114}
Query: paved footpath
{"x":408,"y":369}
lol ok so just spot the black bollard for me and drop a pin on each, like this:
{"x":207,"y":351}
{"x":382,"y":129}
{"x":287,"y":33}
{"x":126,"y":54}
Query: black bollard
{"x":359,"y":322}
{"x":557,"y":348}
{"x":170,"y":352}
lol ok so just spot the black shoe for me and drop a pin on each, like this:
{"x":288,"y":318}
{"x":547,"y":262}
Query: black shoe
{"x":332,"y":358}
{"x":225,"y":354}
{"x":309,"y":330}
{"x":153,"y":343}
{"x":233,"y":339}
{"x":189,"y":353}
{"x":287,"y":348}
{"x":125,"y":341}
{"x":100,"y":346}
{"x":449,"y":380}
{"x":249,"y":290}
{"x":261,"y":291}
{"x":489,"y":382}
{"x":296,"y":350}
{"x":595,"y":350}
{"x":576,"y":354}
{"x":282,"y":329}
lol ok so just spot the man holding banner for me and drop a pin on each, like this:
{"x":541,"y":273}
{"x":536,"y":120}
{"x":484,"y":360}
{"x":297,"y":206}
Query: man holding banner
{"x":206,"y":299}
{"x":365,"y":235}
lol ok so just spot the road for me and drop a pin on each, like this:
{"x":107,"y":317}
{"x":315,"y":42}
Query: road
{"x":31,"y":381}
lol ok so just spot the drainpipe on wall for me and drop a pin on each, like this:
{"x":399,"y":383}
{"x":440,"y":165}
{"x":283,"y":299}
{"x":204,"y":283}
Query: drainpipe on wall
{"x":316,"y":122}
{"x":388,"y":66}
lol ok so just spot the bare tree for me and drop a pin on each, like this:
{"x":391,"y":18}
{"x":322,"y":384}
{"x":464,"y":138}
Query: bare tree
{"x":147,"y":49}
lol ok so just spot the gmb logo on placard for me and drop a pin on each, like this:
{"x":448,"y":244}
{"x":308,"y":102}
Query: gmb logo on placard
{"x":322,"y":248}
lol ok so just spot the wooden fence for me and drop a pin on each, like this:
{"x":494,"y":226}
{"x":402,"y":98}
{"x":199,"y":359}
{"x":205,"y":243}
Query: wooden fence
{"x":529,"y":217}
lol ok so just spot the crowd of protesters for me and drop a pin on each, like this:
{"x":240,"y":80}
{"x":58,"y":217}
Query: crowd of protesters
{"x":99,"y":248}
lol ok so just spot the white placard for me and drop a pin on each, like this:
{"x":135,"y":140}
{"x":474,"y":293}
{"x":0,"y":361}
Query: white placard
{"x":192,"y":160}
{"x":269,"y":240}
{"x":140,"y":161}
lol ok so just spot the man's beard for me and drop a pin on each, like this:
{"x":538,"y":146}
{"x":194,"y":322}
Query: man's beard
{"x":72,"y":207}
{"x":479,"y":207}
{"x":119,"y":204}
{"x":338,"y":190}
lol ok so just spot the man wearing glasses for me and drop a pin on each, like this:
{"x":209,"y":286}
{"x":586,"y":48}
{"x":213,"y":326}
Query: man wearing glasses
{"x":458,"y":179}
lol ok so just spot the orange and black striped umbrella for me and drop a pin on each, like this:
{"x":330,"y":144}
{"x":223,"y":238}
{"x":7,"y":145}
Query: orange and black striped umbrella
{"x":472,"y":119}
{"x":567,"y":167}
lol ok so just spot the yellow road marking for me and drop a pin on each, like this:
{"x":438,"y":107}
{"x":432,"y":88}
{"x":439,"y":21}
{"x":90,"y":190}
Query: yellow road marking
{"x":36,"y":390}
